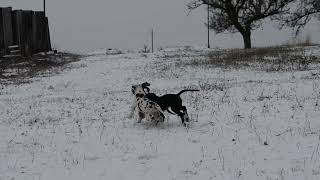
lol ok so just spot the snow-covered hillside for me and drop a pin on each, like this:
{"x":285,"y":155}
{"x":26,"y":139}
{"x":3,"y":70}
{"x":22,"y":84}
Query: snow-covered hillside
{"x":246,"y":124}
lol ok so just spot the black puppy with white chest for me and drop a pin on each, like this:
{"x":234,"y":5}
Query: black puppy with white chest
{"x":172,"y":101}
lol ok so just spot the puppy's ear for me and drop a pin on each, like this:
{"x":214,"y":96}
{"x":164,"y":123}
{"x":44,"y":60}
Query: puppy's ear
{"x":145,"y":84}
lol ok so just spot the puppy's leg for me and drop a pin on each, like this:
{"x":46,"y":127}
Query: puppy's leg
{"x":185,"y":114}
{"x":180,"y":112}
{"x":132,"y":109}
{"x":159,"y":118}
{"x":141,"y":116}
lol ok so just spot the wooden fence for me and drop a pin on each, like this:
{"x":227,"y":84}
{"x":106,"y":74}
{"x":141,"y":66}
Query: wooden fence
{"x":25,"y":32}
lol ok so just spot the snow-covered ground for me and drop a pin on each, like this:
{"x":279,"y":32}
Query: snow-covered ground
{"x":246,"y":124}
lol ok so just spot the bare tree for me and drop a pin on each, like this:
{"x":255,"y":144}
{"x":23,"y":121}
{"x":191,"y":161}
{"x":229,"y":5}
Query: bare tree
{"x":301,"y":14}
{"x":242,"y":16}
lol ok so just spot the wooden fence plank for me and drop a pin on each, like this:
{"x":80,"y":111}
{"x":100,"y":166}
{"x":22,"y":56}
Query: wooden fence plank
{"x":35,"y":32}
{"x":16,"y":26}
{"x":6,"y":29}
{"x":26,"y":43}
{"x":2,"y":47}
{"x":48,"y":40}
{"x":7,"y":26}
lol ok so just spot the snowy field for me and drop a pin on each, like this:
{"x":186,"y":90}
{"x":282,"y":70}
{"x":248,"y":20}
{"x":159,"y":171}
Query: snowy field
{"x":247,"y":124}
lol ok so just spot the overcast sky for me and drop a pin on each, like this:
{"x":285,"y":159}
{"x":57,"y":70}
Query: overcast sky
{"x":84,"y":25}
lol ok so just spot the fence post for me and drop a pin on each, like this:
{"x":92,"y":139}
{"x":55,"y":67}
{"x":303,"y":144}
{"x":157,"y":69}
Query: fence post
{"x":27,"y":33}
{"x":17,"y":28}
{"x":2,"y":48}
{"x":6,"y":29}
{"x":35,"y":33}
{"x":48,"y":40}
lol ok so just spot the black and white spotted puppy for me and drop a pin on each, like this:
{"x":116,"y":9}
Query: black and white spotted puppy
{"x":145,"y":107}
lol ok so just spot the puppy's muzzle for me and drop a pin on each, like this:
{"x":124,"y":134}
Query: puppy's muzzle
{"x":133,"y":89}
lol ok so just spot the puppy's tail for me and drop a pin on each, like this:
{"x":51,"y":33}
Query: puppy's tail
{"x":185,"y":90}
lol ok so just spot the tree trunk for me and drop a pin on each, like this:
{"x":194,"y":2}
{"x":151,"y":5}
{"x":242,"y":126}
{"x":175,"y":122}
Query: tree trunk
{"x":247,"y":39}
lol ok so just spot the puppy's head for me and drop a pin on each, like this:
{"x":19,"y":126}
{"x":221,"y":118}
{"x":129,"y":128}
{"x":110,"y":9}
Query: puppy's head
{"x":140,"y":89}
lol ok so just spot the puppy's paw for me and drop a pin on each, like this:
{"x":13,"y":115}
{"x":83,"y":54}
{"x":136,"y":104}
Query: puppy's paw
{"x":157,"y":122}
{"x":184,"y":124}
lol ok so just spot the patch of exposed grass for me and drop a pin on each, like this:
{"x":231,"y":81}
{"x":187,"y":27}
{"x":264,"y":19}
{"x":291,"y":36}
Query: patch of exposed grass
{"x":266,"y":58}
{"x":16,"y":70}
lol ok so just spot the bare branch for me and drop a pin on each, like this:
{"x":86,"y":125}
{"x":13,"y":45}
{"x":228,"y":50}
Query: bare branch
{"x":300,"y":15}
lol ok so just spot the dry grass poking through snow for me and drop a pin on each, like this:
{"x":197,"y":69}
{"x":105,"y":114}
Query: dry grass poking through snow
{"x":278,"y":58}
{"x":16,"y":70}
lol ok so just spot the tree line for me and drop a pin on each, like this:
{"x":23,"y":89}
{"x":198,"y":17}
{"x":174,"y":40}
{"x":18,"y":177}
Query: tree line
{"x":245,"y":16}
